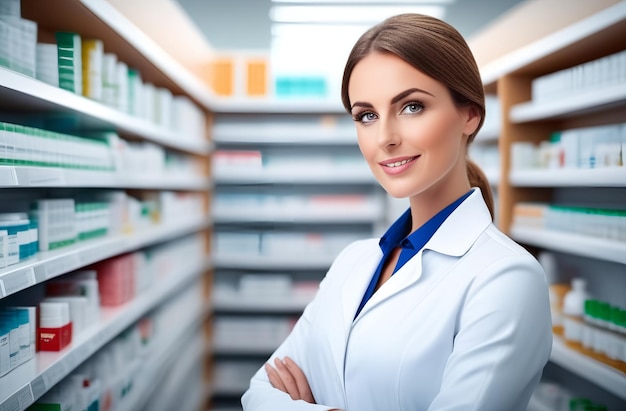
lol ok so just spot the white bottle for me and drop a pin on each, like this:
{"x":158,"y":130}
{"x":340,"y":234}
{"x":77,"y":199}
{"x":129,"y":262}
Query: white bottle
{"x":573,"y":311}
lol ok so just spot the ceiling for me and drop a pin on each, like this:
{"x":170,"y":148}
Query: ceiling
{"x":246,"y":25}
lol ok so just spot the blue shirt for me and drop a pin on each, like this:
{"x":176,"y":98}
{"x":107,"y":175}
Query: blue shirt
{"x":396,"y":236}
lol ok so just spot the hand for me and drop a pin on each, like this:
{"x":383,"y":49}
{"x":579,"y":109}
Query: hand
{"x":289,"y":378}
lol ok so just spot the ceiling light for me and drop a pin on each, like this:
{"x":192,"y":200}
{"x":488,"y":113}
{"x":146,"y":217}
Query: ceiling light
{"x":388,"y":2}
{"x":347,"y":14}
{"x":315,"y":31}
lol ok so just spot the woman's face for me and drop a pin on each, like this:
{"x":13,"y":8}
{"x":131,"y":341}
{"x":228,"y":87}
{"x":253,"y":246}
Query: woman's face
{"x":409,"y":130}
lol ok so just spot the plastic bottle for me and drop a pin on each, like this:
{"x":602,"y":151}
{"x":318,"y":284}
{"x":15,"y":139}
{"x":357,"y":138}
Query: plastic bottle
{"x":573,"y":313}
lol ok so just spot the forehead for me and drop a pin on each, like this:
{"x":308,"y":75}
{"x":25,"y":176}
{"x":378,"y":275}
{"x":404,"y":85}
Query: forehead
{"x":384,"y":74}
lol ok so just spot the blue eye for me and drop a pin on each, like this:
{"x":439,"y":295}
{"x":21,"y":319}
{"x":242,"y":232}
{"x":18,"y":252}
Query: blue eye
{"x":365,"y":117}
{"x":412,"y":108}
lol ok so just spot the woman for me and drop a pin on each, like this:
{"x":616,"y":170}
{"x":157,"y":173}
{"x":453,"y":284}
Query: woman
{"x":443,"y":312}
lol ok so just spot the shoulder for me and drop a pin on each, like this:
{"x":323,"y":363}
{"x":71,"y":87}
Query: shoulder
{"x":505,"y":266}
{"x":493,"y":247}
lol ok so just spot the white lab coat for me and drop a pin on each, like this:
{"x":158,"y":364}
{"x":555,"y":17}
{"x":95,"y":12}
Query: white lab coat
{"x":463,"y":325}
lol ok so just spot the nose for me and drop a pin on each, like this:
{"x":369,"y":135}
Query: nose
{"x":388,"y":135}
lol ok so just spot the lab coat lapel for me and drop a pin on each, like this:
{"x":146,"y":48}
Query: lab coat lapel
{"x":351,"y":295}
{"x":408,"y":274}
{"x":454,"y":237}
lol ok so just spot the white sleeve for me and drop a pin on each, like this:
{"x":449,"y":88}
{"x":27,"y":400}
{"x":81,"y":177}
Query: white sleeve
{"x":503,"y":340}
{"x":261,"y":396}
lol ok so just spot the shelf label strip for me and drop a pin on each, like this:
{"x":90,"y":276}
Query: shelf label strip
{"x":11,"y":404}
{"x":58,"y":266}
{"x":25,"y":397}
{"x":41,"y":176}
{"x":7,"y":176}
{"x":54,"y":374}
{"x":18,"y":280}
{"x":38,"y":387}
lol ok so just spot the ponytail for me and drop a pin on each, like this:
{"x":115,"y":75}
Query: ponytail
{"x":478,"y":179}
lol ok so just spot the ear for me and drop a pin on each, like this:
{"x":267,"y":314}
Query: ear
{"x":472,"y":119}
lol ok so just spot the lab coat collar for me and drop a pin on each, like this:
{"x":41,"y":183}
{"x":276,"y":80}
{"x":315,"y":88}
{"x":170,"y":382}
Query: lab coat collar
{"x":454,"y":237}
{"x":461,"y":229}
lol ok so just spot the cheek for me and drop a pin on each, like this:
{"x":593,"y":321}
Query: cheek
{"x":366,"y":145}
{"x":435,"y":132}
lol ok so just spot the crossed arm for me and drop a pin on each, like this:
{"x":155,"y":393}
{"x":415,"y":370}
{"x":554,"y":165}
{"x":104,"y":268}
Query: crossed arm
{"x":289,"y":378}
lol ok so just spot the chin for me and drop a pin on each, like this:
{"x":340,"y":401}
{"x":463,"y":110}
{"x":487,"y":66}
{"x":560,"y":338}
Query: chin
{"x":398,"y":192}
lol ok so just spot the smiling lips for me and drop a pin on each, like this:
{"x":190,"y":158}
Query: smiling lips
{"x":396,"y":166}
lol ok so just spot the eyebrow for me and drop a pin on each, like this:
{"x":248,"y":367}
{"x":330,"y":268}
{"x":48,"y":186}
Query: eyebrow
{"x":395,"y":99}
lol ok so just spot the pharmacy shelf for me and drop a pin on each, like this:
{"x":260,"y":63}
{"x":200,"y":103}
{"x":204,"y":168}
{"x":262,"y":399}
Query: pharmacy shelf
{"x":100,"y":19}
{"x":251,"y":348}
{"x":18,"y":91}
{"x":596,"y":177}
{"x":571,"y":105}
{"x":571,"y":243}
{"x":28,"y":382}
{"x":26,"y":177}
{"x":276,"y":106}
{"x":594,"y":371}
{"x":277,"y":134}
{"x":295,"y":176}
{"x":234,"y":302}
{"x":165,"y":356}
{"x":257,"y":262}
{"x":49,"y":264}
{"x":278,"y":216}
{"x":567,"y":47}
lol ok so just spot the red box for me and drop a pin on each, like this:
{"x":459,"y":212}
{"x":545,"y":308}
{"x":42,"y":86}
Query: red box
{"x":55,"y":339}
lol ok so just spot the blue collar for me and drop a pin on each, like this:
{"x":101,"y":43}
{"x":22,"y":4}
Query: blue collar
{"x":411,"y":244}
{"x":398,"y":236}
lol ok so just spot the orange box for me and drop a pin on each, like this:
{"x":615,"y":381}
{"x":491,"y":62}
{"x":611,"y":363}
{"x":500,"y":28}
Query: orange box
{"x":223,"y":76}
{"x":256,"y":82}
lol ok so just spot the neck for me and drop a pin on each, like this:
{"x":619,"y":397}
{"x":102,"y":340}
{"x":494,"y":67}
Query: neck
{"x":425,"y":205}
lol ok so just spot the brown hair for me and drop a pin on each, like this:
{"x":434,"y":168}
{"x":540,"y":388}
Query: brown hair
{"x":438,"y":50}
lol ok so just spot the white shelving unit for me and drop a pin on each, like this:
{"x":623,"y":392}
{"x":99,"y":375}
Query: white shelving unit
{"x":590,"y":369}
{"x":583,"y":103}
{"x":300,"y":130}
{"x":165,"y":356}
{"x":327,"y":177}
{"x":572,"y":244}
{"x":596,"y":177}
{"x":552,"y":47}
{"x":29,"y":177}
{"x":50,"y":264}
{"x":269,"y":134}
{"x":293,"y":216}
{"x":591,"y":38}
{"x":28,"y":93}
{"x":233,"y":302}
{"x":285,"y":262}
{"x":25,"y":384}
{"x":21,"y":97}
